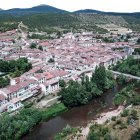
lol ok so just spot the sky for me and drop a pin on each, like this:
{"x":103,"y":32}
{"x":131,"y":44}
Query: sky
{"x":73,"y":5}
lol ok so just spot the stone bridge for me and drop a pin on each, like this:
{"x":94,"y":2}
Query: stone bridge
{"x":116,"y":73}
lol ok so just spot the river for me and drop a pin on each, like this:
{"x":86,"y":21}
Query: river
{"x":77,"y":116}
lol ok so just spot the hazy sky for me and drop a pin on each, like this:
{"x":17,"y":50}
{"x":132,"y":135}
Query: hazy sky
{"x":72,"y":5}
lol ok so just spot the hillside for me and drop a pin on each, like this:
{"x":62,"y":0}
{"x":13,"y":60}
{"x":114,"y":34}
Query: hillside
{"x":133,"y":22}
{"x":53,"y":22}
{"x":50,"y":22}
{"x":101,"y":18}
{"x":51,"y":19}
{"x":107,"y":13}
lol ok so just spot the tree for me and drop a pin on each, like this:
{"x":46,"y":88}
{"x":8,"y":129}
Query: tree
{"x":138,"y":41}
{"x":40,"y":48}
{"x":129,"y":66}
{"x":136,"y":135}
{"x":17,"y":73}
{"x":93,"y":136}
{"x":20,"y":65}
{"x":121,"y":80}
{"x":33,"y":46}
{"x":62,"y":83}
{"x":100,"y":77}
{"x":51,"y":60}
{"x":4,"y":82}
{"x":95,"y":90}
{"x":74,"y":95}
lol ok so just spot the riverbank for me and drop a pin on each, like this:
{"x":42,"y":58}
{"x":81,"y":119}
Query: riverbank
{"x":25,"y":120}
{"x":118,"y":124}
{"x":121,"y":127}
{"x":104,"y":117}
{"x":114,"y":120}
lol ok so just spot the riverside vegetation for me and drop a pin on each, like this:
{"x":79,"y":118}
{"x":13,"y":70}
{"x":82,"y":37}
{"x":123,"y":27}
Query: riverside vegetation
{"x":129,"y":66}
{"x":14,"y":127}
{"x":120,"y":127}
{"x":126,"y":122}
{"x":127,"y":96}
{"x":75,"y":94}
{"x":128,"y":119}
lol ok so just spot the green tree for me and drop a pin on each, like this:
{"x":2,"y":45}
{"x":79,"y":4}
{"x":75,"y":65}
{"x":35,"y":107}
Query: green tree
{"x":74,"y":94}
{"x":100,"y":77}
{"x":33,"y":46}
{"x":4,"y":82}
{"x":51,"y":60}
{"x":138,"y":41}
{"x":136,"y":135}
{"x":62,"y":83}
{"x":40,"y":48}
{"x":121,"y":80}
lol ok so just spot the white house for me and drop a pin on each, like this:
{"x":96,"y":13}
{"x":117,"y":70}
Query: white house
{"x":50,"y":87}
{"x":14,"y":104}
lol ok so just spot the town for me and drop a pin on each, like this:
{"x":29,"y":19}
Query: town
{"x":60,"y":58}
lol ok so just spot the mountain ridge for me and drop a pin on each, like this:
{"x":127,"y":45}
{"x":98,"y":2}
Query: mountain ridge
{"x":43,"y":8}
{"x":33,"y":10}
{"x":107,"y":13}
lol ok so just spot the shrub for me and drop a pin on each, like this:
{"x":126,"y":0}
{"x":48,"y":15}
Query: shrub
{"x":125,"y":113}
{"x":119,"y":100}
{"x":122,"y":126}
{"x":129,"y":120}
{"x":134,"y":114}
{"x":103,"y":131}
{"x":118,"y":122}
{"x":135,"y":100}
{"x":65,"y":132}
{"x":113,"y":118}
{"x":136,"y":135}
{"x":93,"y":136}
{"x":28,"y":104}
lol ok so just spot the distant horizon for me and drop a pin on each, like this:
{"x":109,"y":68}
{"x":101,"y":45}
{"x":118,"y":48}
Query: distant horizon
{"x":64,"y":9}
{"x":119,"y":6}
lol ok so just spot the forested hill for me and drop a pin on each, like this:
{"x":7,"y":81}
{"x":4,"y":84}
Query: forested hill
{"x":33,"y":10}
{"x":51,"y":22}
{"x":50,"y":19}
{"x":50,"y":9}
{"x":107,"y":13}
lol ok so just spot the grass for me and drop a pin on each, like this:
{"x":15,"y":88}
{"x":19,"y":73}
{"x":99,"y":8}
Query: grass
{"x":53,"y":111}
{"x":125,"y":113}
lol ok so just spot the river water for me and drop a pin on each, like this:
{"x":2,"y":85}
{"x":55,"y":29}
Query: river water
{"x":77,"y":116}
